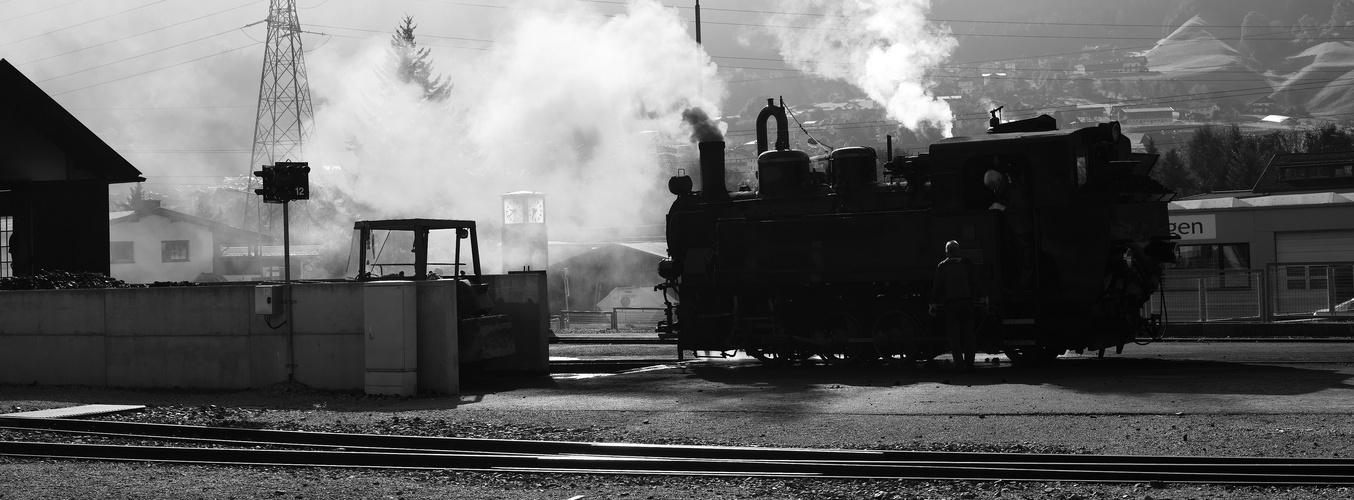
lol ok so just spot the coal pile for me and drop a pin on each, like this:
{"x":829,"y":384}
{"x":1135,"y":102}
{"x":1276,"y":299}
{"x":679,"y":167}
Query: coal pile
{"x":62,"y":280}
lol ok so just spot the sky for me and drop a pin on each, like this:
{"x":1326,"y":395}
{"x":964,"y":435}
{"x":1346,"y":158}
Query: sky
{"x":565,"y":97}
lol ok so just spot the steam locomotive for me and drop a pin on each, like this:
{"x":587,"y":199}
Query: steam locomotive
{"x":832,"y":257}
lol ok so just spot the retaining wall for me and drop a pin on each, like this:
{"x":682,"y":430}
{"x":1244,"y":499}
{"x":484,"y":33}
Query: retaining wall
{"x":210,"y":338}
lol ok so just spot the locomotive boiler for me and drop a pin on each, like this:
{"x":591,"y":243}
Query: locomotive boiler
{"x":833,"y":257}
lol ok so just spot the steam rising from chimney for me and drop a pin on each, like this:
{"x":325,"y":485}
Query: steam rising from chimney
{"x":703,"y":129}
{"x":880,"y":46}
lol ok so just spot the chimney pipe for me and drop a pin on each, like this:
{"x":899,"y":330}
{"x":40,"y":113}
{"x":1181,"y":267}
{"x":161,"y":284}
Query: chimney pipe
{"x":782,"y":127}
{"x":712,"y":169}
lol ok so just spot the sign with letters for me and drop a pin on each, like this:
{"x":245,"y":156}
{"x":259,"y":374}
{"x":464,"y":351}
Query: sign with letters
{"x":1195,"y":227}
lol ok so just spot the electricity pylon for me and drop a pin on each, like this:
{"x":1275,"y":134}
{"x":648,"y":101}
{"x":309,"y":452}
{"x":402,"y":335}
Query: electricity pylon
{"x":284,"y":121}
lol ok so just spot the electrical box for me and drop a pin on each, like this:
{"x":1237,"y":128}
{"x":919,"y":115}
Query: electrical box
{"x":268,"y":299}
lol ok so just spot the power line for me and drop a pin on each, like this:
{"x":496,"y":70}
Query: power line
{"x":110,"y":63}
{"x":420,"y":35}
{"x":139,"y":34}
{"x":21,"y":16}
{"x":155,"y":70}
{"x":162,"y":108}
{"x":81,"y":24}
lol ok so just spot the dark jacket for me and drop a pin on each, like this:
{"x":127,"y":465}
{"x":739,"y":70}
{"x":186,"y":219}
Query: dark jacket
{"x":955,"y":279}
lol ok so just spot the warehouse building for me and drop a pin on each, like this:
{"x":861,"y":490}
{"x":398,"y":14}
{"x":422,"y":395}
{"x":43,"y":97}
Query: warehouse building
{"x":1288,"y":242}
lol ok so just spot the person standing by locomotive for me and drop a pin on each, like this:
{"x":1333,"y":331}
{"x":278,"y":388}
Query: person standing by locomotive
{"x":953,"y":292}
{"x":1014,"y":203}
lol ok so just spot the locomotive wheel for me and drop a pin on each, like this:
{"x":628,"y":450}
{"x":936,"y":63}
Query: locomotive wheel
{"x":1033,"y":355}
{"x":776,"y":357}
{"x":835,"y":332}
{"x":897,"y":336}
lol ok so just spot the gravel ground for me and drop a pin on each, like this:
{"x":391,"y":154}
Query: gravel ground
{"x":299,"y":408}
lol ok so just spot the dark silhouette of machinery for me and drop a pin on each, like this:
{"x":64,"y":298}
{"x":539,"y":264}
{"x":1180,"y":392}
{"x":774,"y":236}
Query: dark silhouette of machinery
{"x":832,"y":256}
{"x":399,"y":249}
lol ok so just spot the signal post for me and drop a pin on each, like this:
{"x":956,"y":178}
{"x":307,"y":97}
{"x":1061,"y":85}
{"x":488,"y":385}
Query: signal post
{"x":284,"y":182}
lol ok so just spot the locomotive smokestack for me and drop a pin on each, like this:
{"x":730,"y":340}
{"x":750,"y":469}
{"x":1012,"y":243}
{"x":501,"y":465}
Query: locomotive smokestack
{"x":712,"y":169}
{"x":705,"y":133}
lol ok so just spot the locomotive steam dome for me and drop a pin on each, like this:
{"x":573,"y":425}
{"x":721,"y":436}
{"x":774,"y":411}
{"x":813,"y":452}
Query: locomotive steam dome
{"x":782,"y":173}
{"x":852,"y":167}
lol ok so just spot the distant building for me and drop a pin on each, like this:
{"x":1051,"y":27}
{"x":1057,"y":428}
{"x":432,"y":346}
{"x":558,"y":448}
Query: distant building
{"x":1144,"y":116}
{"x":54,"y":178}
{"x":1135,"y":64}
{"x":1083,"y":113}
{"x":153,"y":243}
{"x":1263,"y":106}
{"x":1297,"y":223}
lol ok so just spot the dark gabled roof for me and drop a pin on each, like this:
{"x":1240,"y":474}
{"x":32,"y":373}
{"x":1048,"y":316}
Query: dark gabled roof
{"x":176,"y":216}
{"x":1270,"y":181}
{"x":47,"y":117}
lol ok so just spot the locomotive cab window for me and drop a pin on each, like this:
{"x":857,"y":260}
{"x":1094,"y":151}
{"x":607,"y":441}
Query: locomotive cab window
{"x":1014,"y":170}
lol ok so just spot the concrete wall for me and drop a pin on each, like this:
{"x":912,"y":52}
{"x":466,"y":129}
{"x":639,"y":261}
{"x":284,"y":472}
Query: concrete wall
{"x":209,"y":337}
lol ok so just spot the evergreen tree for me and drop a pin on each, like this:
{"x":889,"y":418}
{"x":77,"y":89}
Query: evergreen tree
{"x":1172,"y":173}
{"x":136,"y":197}
{"x":412,"y":65}
{"x":1328,"y":138}
{"x":1207,"y":157}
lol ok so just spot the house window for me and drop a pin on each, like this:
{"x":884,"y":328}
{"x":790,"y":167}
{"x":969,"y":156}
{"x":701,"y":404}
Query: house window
{"x":1215,"y":257}
{"x":1305,"y":277}
{"x":120,"y":252}
{"x":174,"y":251}
{"x":6,"y":261}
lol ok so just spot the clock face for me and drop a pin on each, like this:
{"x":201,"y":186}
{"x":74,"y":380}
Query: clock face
{"x":536,"y":210}
{"x":512,"y":211}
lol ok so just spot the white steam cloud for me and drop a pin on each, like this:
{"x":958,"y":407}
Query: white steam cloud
{"x":881,"y":46}
{"x":567,"y":102}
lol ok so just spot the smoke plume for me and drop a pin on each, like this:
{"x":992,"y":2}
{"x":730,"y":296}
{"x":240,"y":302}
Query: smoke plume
{"x":881,"y":46}
{"x":703,"y":129}
{"x":567,"y":102}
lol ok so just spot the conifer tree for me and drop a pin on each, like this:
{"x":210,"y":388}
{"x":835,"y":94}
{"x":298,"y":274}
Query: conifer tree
{"x":411,"y":63}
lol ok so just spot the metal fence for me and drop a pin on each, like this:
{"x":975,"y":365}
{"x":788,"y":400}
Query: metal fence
{"x":1278,"y":292}
{"x":620,"y":318}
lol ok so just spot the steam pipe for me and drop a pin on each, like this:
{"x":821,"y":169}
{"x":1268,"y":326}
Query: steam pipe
{"x":782,"y":127}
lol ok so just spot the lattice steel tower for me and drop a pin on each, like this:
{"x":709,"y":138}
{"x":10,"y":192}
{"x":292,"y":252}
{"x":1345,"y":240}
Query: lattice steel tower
{"x":284,"y":121}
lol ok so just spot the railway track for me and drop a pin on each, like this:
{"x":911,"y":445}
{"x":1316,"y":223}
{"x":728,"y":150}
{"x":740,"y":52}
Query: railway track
{"x":235,"y":446}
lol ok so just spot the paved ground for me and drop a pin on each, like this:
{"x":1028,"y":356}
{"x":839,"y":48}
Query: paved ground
{"x":1162,"y":378}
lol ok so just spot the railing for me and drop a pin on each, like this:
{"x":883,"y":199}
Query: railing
{"x":629,"y":318}
{"x":1279,"y":292}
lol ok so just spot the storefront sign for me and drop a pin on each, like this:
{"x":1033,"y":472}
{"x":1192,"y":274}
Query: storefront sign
{"x":1195,"y":227}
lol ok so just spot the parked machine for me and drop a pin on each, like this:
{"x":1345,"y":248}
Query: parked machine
{"x":826,"y":260}
{"x":399,"y":249}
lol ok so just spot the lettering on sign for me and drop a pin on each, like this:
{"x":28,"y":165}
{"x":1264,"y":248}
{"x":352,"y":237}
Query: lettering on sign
{"x":1195,"y":227}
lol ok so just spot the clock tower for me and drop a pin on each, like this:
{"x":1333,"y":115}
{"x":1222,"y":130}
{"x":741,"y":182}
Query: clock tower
{"x":524,"y":237}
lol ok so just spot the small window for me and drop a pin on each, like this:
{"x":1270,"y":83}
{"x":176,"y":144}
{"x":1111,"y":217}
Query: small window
{"x":120,"y":252}
{"x":6,"y":259}
{"x":174,"y":251}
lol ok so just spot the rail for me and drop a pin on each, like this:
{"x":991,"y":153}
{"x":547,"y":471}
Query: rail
{"x":235,"y":446}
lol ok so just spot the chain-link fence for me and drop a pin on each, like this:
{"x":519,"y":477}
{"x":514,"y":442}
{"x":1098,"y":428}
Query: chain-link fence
{"x":1277,"y":293}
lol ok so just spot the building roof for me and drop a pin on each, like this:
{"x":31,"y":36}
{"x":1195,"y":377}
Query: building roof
{"x":1148,"y":110}
{"x":152,"y":207}
{"x":1271,"y":182}
{"x":1280,"y":200}
{"x":26,"y":101}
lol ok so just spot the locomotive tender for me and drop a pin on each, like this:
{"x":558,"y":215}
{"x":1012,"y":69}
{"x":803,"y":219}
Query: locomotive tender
{"x":836,"y":263}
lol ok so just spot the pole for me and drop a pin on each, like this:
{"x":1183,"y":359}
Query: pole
{"x":698,"y":22}
{"x":286,"y":287}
